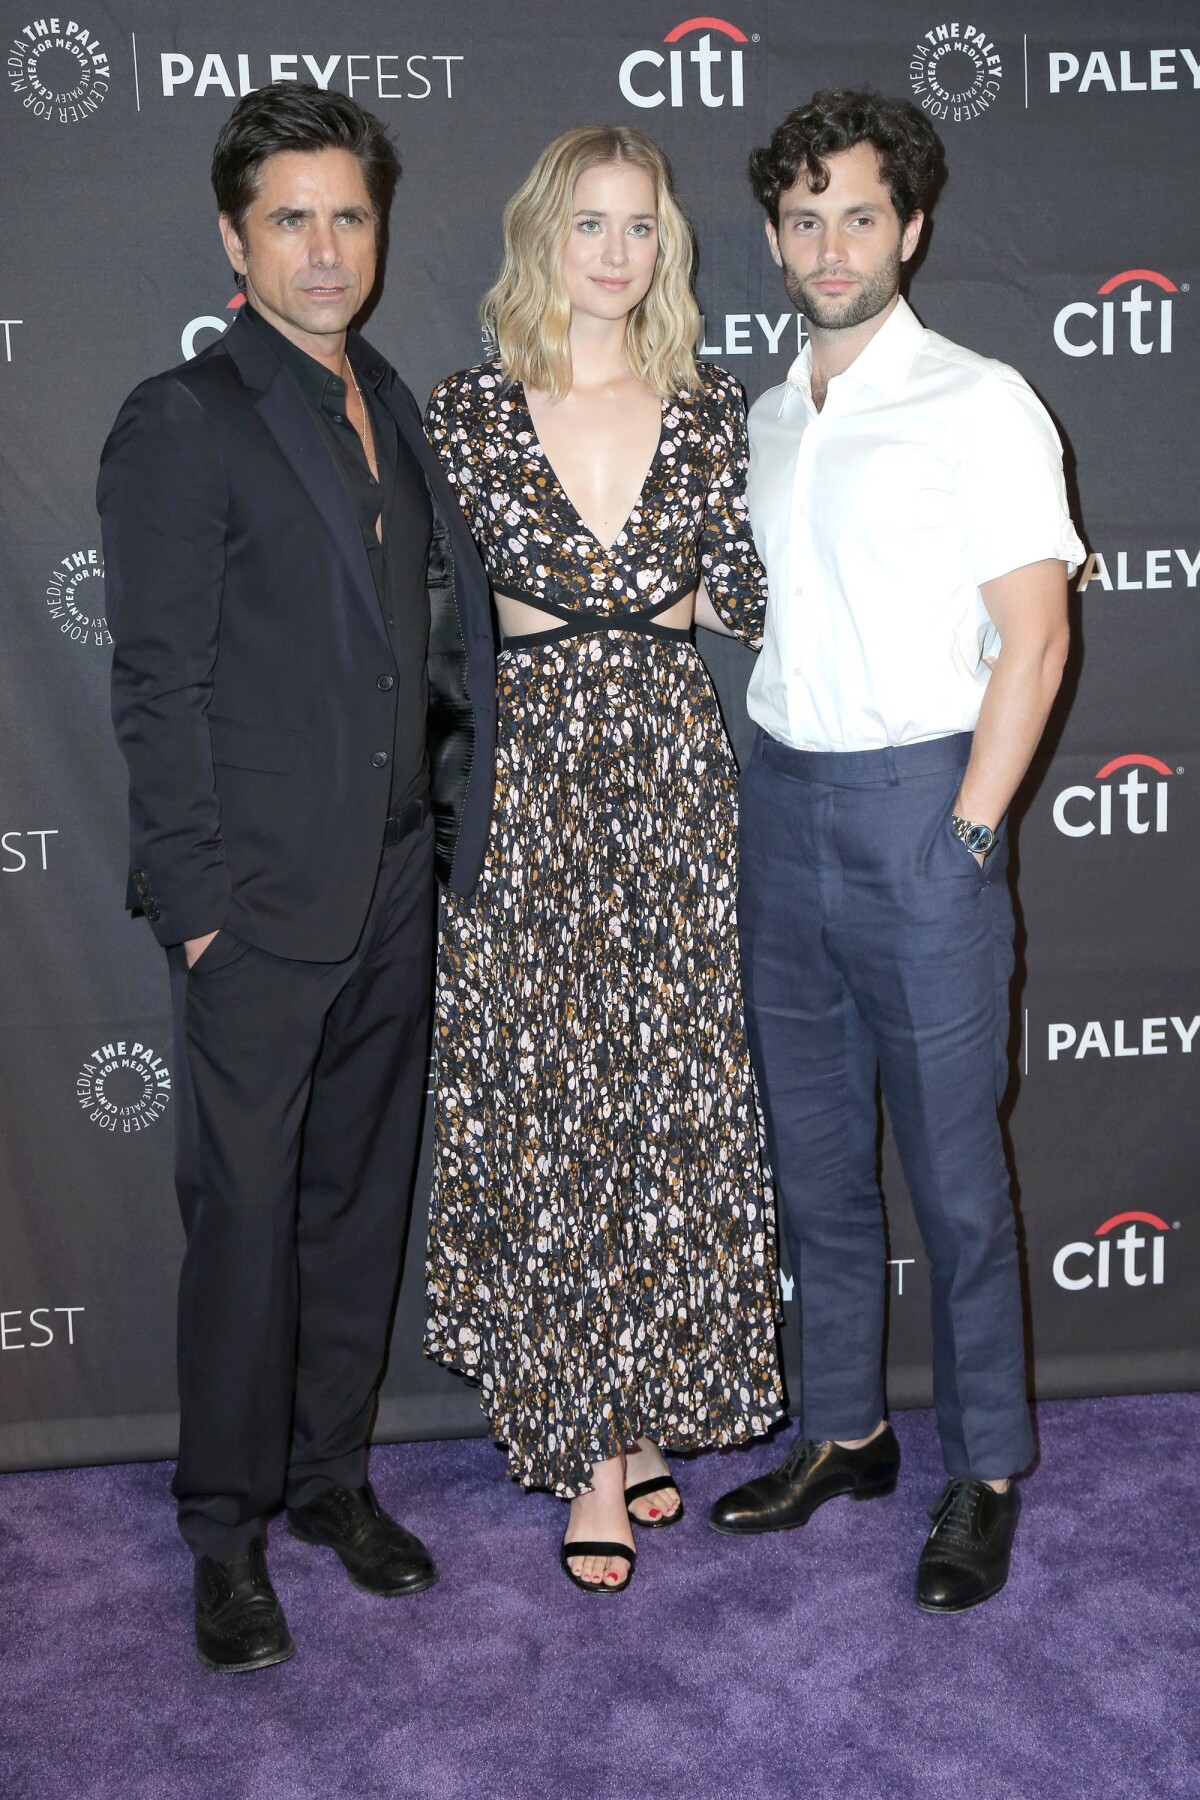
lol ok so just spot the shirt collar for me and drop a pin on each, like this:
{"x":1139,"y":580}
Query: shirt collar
{"x":319,"y":385}
{"x":883,"y":365}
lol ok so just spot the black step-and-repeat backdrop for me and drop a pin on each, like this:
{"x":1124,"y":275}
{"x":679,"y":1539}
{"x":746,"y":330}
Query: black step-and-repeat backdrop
{"x":1064,"y":243}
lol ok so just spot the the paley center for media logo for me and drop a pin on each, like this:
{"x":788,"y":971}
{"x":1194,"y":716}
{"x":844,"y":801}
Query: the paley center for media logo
{"x":75,"y":599}
{"x":123,"y":1087}
{"x":955,"y":71}
{"x":58,"y":70}
{"x":703,"y":61}
{"x":1135,"y":315}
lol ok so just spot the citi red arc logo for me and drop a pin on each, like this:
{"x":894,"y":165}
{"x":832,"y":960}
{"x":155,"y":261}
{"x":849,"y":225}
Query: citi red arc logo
{"x":207,"y":322}
{"x":1075,"y":1269}
{"x":1146,"y":325}
{"x":1079,"y":811}
{"x":714,"y":71}
{"x":706,"y":24}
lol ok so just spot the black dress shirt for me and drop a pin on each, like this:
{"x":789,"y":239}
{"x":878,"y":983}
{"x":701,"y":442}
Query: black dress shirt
{"x":398,"y":505}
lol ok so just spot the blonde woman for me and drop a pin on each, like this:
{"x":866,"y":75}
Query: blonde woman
{"x":601,"y":1252}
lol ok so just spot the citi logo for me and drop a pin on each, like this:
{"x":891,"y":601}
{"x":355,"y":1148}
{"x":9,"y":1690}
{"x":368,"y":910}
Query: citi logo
{"x":711,"y":64}
{"x":1078,"y":811}
{"x":1146,"y":326}
{"x":208,"y":322}
{"x":1074,"y":1267}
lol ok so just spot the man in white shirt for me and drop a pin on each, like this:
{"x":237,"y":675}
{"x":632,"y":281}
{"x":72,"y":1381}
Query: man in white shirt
{"x":907,"y":499}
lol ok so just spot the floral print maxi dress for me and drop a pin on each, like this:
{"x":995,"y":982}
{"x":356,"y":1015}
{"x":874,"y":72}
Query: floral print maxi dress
{"x":602,"y":1238}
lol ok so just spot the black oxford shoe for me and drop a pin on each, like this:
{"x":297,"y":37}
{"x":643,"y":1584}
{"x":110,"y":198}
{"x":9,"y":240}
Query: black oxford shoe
{"x":239,"y":1621}
{"x":965,"y":1559}
{"x":809,"y":1474}
{"x":379,"y":1555}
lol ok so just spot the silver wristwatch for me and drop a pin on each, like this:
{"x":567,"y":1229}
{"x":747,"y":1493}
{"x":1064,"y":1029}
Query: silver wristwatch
{"x":977,"y":838}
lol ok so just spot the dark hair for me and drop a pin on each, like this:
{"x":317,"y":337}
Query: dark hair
{"x":910,"y":155}
{"x":294,"y":115}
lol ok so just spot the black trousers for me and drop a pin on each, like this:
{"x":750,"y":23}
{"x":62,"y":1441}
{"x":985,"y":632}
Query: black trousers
{"x":300,"y":1094}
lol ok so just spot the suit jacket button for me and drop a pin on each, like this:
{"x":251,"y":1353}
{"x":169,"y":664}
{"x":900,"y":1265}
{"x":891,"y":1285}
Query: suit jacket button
{"x":385,"y":682}
{"x":380,"y":759}
{"x":153,"y":914}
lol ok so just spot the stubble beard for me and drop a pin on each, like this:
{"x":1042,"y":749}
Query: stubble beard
{"x":867,"y":302}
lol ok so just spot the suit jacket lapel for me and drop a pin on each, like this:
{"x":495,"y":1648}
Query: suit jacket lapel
{"x":283,"y":411}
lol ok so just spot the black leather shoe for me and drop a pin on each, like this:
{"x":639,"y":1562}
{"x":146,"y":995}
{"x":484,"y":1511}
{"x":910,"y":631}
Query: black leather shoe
{"x":379,"y":1555}
{"x":965,"y":1559}
{"x":239,"y":1621}
{"x":809,"y":1474}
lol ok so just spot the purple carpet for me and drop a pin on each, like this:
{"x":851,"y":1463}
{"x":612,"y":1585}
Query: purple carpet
{"x":792,"y":1665}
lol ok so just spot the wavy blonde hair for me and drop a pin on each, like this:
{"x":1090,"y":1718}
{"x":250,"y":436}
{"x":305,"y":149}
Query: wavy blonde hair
{"x":527,"y":314}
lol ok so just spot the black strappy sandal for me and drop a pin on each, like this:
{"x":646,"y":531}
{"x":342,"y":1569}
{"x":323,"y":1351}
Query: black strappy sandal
{"x":581,"y":1548}
{"x":655,"y":1485}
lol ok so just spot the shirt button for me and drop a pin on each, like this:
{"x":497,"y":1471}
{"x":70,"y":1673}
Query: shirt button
{"x":385,"y":682}
{"x":339,"y":418}
{"x":798,"y":672}
{"x":379,"y":760}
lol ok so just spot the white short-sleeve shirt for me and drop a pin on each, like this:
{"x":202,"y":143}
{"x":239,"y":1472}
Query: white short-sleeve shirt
{"x":928,"y":471}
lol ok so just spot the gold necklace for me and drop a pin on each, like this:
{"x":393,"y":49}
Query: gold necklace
{"x":368,"y":434}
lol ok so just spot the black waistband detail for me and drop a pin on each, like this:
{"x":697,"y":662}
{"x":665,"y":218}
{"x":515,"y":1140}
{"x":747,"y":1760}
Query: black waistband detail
{"x":399,"y":825}
{"x":582,"y":624}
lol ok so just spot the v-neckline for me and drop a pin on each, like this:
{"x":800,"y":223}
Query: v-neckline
{"x":605,"y":549}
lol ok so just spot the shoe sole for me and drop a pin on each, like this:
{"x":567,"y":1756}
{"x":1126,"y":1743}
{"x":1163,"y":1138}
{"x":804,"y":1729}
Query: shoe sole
{"x":878,"y":1491}
{"x":245,"y":1668}
{"x":597,"y":1587}
{"x":965,"y":1606}
{"x":674,"y":1518}
{"x":419,"y":1586}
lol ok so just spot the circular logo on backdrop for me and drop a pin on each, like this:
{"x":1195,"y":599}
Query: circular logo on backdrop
{"x":955,"y":71}
{"x":58,"y":71}
{"x":75,"y":598}
{"x":124,"y":1088}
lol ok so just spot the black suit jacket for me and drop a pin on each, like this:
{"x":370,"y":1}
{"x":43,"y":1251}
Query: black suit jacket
{"x":251,"y":664}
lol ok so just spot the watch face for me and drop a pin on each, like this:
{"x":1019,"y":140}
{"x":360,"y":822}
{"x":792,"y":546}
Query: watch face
{"x":979,"y":837}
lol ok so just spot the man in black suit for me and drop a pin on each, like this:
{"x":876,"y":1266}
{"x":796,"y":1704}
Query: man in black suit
{"x":303,"y":689}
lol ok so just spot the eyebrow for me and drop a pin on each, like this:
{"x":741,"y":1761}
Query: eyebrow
{"x":810,"y":212}
{"x":308,"y":212}
{"x":597,"y":212}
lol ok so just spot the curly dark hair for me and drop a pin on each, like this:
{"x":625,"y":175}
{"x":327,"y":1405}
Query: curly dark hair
{"x":295,"y":115}
{"x":909,"y":151}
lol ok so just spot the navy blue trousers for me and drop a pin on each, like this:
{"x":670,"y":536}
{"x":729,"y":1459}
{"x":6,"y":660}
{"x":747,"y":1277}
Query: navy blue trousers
{"x":872,"y":943}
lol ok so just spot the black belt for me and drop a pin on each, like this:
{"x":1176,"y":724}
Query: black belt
{"x":642,"y":621}
{"x":411,"y":816}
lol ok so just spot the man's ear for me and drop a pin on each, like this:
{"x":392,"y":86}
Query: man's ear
{"x":911,"y":235}
{"x":235,"y":250}
{"x":773,"y":240}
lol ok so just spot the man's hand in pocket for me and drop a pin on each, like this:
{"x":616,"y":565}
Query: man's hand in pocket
{"x":195,"y":947}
